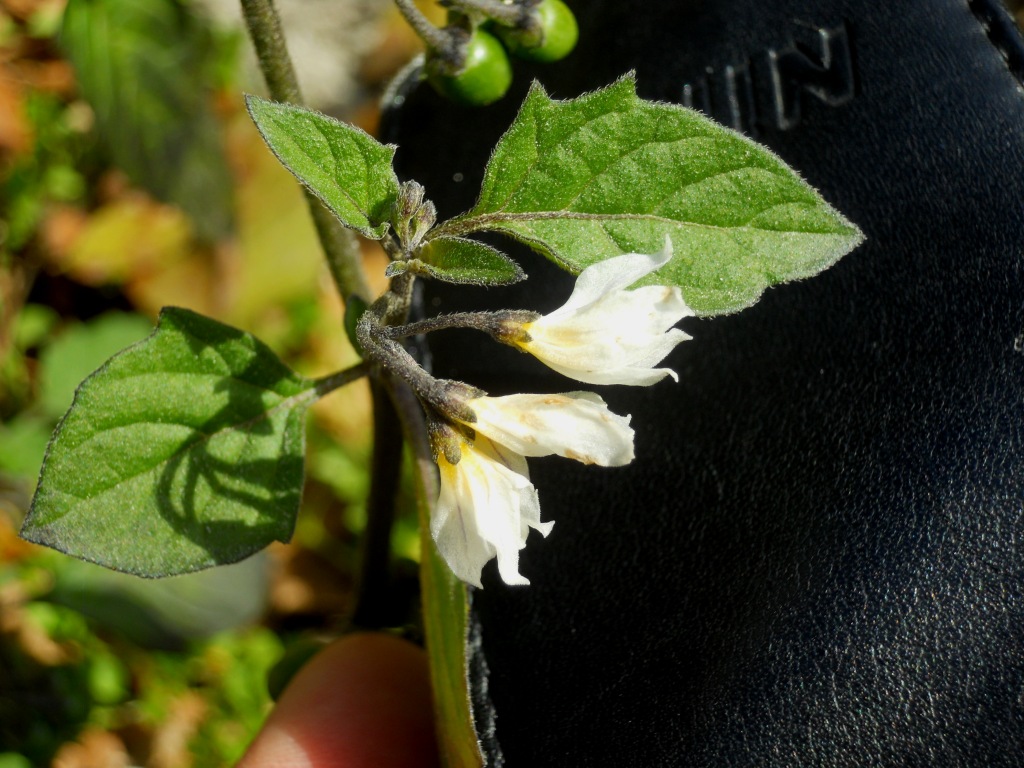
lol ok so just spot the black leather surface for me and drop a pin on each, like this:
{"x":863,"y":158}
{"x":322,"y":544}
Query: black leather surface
{"x":818,"y":556}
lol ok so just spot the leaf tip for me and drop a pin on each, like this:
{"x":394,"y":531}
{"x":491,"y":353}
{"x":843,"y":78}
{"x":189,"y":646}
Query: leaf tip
{"x":396,"y":268}
{"x":518,"y":277}
{"x":253,"y":103}
{"x":175,"y":318}
{"x":857,"y":236}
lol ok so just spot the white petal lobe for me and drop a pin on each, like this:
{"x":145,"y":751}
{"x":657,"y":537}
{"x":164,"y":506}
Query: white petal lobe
{"x":485,"y":509}
{"x":576,"y":425}
{"x":605,"y":334}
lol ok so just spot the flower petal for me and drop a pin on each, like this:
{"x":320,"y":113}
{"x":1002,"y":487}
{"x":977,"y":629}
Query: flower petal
{"x":453,"y":526}
{"x":621,"y":331}
{"x":626,"y":375}
{"x":611,"y":275}
{"x":485,"y":509}
{"x":605,"y":334}
{"x":577,"y":425}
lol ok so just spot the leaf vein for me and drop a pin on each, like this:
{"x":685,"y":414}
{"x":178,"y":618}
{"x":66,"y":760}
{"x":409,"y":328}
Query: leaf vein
{"x":201,"y":437}
{"x":338,"y":165}
{"x":493,"y":221}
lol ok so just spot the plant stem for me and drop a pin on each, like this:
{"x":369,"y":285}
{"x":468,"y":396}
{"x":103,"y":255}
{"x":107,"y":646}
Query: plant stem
{"x":342,"y":251}
{"x":375,"y":580}
{"x":340,"y":245}
{"x":334,"y":381}
{"x":436,"y":40}
{"x":268,"y":39}
{"x":507,"y":14}
{"x":448,"y":397}
{"x":414,"y":427}
{"x":488,"y":322}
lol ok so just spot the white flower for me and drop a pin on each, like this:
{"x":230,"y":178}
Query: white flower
{"x":576,"y":425}
{"x":486,"y":508}
{"x":605,"y":334}
{"x":487,"y":503}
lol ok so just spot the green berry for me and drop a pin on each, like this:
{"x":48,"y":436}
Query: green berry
{"x":484,"y":78}
{"x":553,"y":39}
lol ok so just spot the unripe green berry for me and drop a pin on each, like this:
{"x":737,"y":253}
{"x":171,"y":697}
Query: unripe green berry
{"x":553,"y":38}
{"x":484,"y":78}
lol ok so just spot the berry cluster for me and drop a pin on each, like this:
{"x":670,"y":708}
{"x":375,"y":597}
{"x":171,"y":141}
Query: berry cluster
{"x":468,"y":60}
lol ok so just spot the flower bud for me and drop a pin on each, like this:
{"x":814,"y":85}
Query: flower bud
{"x":413,"y":215}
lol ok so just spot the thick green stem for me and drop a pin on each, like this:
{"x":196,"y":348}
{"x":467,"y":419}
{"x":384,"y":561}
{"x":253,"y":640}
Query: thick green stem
{"x":340,"y":246}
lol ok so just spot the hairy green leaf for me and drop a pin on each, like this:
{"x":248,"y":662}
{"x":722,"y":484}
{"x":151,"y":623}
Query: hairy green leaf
{"x":182,"y":452}
{"x":460,"y":260}
{"x":345,"y":167}
{"x":608,"y":173}
{"x":145,"y":69}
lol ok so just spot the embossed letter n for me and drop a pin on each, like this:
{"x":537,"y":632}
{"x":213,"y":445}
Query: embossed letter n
{"x":766,"y":90}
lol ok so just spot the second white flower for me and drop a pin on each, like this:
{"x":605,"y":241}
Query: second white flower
{"x":606,"y":334}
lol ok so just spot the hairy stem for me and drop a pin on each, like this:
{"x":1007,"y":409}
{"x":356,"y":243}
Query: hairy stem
{"x":435,"y":39}
{"x":340,"y":246}
{"x":375,"y":579}
{"x":494,"y":323}
{"x":448,"y":397}
{"x":508,"y":14}
{"x":414,"y":427}
{"x":334,"y":381}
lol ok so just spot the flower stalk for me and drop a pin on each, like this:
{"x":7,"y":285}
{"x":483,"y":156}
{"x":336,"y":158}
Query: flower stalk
{"x":447,"y":397}
{"x":447,"y":44}
{"x":511,"y":14}
{"x":502,"y":325}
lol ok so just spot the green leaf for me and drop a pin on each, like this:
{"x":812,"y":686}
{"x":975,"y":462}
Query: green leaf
{"x":446,"y":626}
{"x":182,"y":452}
{"x":345,"y":167}
{"x":460,"y":260}
{"x":608,"y":173}
{"x":145,"y":69}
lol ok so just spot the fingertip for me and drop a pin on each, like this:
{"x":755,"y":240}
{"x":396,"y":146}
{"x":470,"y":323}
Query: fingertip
{"x":363,"y":701}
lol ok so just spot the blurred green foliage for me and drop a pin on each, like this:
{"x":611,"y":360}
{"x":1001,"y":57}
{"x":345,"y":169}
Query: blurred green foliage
{"x":130,"y":178}
{"x":146,"y":69}
{"x":51,"y":172}
{"x":215,"y":692}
